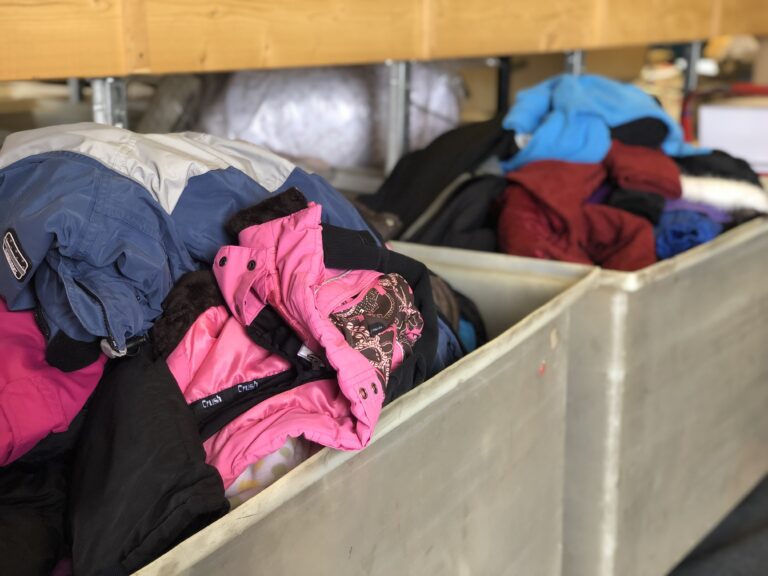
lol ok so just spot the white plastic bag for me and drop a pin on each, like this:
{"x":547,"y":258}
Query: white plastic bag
{"x":336,"y":115}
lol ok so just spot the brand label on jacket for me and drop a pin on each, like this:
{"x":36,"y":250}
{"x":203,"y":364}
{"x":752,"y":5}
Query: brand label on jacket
{"x":307,"y":354}
{"x":14,"y":255}
{"x":224,"y":396}
{"x":211,"y":401}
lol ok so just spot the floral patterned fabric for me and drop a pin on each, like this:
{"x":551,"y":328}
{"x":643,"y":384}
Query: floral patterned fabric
{"x":382,"y":324}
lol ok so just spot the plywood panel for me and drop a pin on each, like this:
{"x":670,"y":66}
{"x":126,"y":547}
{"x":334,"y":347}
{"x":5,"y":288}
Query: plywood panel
{"x":626,"y":22}
{"x":491,"y":27}
{"x":740,"y":16}
{"x":204,"y":35}
{"x":56,"y":39}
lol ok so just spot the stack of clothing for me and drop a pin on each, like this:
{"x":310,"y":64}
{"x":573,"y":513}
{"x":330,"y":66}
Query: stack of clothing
{"x":604,"y":177}
{"x":186,"y":320}
{"x":581,"y":169}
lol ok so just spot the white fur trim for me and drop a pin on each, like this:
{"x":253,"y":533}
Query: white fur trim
{"x":724,"y":194}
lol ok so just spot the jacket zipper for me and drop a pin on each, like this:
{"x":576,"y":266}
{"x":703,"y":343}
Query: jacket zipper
{"x":330,"y":281}
{"x":351,"y":297}
{"x":110,"y":335}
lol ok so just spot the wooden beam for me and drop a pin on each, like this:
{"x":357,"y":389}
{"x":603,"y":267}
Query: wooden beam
{"x":205,"y":35}
{"x":461,"y":28}
{"x":89,"y":38}
{"x":58,"y":39}
{"x":633,"y":22}
{"x":744,"y":17}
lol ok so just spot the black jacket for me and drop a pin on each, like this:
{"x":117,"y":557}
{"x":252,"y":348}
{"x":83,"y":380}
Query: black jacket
{"x":140,"y":483}
{"x":419,"y":177}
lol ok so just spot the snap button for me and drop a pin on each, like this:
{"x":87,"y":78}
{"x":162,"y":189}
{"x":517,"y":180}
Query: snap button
{"x":222,"y":260}
{"x":363,"y":394}
{"x":251,"y":264}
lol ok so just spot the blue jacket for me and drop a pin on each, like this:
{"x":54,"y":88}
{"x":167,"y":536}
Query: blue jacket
{"x":98,"y":222}
{"x":570,"y":118}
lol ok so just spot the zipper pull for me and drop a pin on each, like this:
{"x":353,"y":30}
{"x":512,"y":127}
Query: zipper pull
{"x":306,"y":353}
{"x":110,"y":349}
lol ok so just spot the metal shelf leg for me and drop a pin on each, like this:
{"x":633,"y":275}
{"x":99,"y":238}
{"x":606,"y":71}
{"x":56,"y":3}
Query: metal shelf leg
{"x":691,"y":74}
{"x":399,"y":108}
{"x":504,"y":74}
{"x":574,"y":62}
{"x":110,"y":101}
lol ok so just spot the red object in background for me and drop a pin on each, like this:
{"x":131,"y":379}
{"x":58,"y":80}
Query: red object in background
{"x":736,"y":89}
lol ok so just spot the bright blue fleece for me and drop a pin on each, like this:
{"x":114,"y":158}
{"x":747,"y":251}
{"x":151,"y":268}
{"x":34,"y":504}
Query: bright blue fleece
{"x":570,"y":118}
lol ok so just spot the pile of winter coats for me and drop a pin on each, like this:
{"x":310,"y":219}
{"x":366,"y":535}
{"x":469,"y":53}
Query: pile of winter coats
{"x":581,"y":169}
{"x":184,"y":319}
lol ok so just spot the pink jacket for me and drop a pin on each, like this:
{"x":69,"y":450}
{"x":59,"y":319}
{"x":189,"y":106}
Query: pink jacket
{"x":294,"y":348}
{"x":35,"y":398}
{"x":278,"y":276}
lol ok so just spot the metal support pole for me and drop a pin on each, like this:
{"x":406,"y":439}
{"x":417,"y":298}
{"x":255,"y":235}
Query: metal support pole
{"x":504,"y":73}
{"x":399,"y":109}
{"x":574,"y":62}
{"x":110,"y":102}
{"x":75,"y":86}
{"x":691,"y":74}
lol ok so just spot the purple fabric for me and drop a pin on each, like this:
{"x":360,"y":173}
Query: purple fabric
{"x":601,"y":193}
{"x":714,"y":214}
